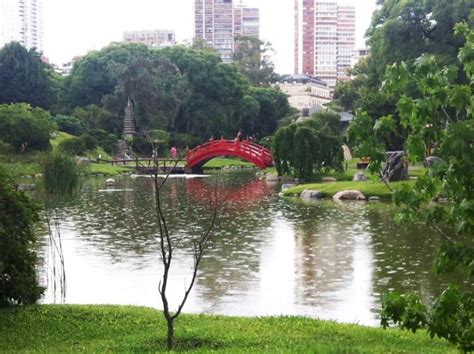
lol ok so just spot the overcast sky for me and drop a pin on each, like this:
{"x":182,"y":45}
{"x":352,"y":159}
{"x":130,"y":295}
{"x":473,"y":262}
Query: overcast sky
{"x":73,"y":27}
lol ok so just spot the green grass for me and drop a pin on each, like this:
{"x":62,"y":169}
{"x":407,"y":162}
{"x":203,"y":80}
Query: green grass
{"x":224,"y":162}
{"x":53,"y":329}
{"x":369,"y":189}
{"x":108,"y":169}
{"x":60,"y":136}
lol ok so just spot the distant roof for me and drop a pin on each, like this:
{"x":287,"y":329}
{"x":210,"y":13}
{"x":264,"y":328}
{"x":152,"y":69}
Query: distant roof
{"x":346,"y":116}
{"x":304,"y":79}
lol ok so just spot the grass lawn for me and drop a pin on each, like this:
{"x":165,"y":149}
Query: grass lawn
{"x":107,"y":169}
{"x":221,"y":162}
{"x":59,"y":137}
{"x":52,"y":328}
{"x":369,"y":189}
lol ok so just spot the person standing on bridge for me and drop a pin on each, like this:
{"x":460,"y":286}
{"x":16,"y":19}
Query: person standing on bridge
{"x":174,"y":152}
{"x":239,"y":135}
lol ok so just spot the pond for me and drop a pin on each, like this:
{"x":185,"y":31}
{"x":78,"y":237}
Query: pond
{"x":269,"y":255}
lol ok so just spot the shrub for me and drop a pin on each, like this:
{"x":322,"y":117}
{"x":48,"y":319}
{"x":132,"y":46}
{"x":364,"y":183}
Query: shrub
{"x":5,"y":148}
{"x":89,"y":141}
{"x":73,"y":146}
{"x":61,"y":174}
{"x":69,"y":125}
{"x":105,"y":140}
{"x":142,"y":146}
{"x":24,"y":127}
{"x":18,"y":281}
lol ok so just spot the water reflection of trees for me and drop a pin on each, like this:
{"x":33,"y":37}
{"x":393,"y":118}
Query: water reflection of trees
{"x":326,"y":239}
{"x":232,"y":265}
{"x":405,"y":255}
{"x":122,"y":226}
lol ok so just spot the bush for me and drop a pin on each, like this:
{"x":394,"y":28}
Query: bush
{"x":18,"y":281}
{"x":89,"y":141}
{"x":5,"y":148}
{"x":142,"y":146}
{"x":61,"y":174}
{"x":104,"y":140}
{"x":73,"y":146}
{"x":25,"y":128}
{"x":69,"y":125}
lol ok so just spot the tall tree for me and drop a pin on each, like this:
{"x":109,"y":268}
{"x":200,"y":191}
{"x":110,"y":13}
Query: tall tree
{"x":92,"y":76}
{"x":25,"y":78}
{"x":253,"y":58}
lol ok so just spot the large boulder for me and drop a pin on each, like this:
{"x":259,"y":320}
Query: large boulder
{"x":328,"y":180}
{"x":26,"y":187}
{"x":432,"y":160}
{"x":311,"y":194}
{"x":84,"y":161}
{"x":286,"y":186}
{"x":272,"y":178}
{"x":396,"y":167}
{"x":359,"y":177}
{"x":349,"y":195}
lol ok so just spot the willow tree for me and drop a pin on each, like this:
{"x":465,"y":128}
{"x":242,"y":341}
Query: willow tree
{"x":305,"y":149}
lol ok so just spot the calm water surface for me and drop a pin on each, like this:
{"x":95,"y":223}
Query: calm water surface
{"x":270,"y":256}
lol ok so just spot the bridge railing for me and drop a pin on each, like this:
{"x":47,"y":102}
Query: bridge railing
{"x":244,"y":147}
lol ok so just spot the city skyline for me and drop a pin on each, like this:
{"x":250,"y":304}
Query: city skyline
{"x":73,"y":27}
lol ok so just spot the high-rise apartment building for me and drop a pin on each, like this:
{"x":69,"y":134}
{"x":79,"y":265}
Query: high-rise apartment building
{"x":152,"y":39}
{"x":218,"y":22}
{"x":22,"y":21}
{"x":324,"y":39}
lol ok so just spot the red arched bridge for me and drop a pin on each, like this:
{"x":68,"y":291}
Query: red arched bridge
{"x":245,"y":149}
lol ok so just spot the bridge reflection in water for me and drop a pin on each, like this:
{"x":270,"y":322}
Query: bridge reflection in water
{"x":234,"y":197}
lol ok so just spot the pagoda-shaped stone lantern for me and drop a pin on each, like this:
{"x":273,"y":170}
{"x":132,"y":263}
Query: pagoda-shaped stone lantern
{"x":129,"y":129}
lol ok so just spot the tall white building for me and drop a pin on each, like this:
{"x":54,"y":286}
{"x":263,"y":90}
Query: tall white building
{"x":324,"y":39}
{"x":22,"y":21}
{"x":218,"y":22}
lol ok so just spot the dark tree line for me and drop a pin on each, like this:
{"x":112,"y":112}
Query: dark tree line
{"x":186,"y":91}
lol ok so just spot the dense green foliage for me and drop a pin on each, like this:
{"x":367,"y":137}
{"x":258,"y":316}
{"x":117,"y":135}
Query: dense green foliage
{"x":402,"y":31}
{"x":92,"y":76}
{"x":25,"y":78}
{"x":24,"y":128}
{"x":74,"y":146}
{"x":61,"y":174}
{"x":304,"y":149}
{"x":187,"y":91}
{"x":93,"y":329}
{"x":435,"y":105}
{"x":18,"y":281}
{"x":68,"y":124}
{"x":178,"y":89}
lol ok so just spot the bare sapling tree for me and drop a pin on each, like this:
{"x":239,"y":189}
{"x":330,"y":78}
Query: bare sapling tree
{"x":169,"y":244}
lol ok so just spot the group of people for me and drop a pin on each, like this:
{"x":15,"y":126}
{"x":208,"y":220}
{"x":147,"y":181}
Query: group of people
{"x":239,"y":137}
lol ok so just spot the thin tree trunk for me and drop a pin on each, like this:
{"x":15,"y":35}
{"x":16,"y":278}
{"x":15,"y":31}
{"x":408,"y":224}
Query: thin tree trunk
{"x":170,"y":336}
